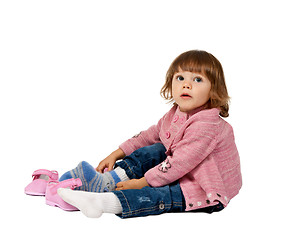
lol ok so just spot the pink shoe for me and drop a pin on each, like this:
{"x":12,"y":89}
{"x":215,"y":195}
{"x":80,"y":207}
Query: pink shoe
{"x":53,"y":199}
{"x":40,"y":179}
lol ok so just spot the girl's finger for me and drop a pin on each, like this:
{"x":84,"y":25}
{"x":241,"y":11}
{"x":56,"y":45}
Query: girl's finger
{"x":110,"y":168}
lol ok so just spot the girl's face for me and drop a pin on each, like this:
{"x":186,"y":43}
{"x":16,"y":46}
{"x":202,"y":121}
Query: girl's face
{"x":190,"y":90}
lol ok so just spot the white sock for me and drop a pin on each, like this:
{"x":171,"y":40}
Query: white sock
{"x":121,"y":174}
{"x":91,"y":204}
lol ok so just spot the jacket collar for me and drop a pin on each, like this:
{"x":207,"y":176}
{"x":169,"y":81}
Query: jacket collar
{"x":213,"y":112}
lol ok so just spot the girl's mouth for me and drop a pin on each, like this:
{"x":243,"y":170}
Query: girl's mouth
{"x":185,"y":96}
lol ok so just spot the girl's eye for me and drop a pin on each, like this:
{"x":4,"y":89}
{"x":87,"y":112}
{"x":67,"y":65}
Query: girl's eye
{"x":197,"y":79}
{"x":180,"y":78}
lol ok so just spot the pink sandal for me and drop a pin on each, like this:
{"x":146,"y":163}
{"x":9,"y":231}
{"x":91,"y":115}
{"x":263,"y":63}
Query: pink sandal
{"x":53,"y":199}
{"x":40,"y":179}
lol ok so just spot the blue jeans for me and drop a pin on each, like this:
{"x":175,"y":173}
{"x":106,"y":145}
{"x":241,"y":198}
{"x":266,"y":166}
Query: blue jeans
{"x":149,"y":200}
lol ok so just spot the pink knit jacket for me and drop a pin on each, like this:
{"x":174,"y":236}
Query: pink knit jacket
{"x":201,"y":154}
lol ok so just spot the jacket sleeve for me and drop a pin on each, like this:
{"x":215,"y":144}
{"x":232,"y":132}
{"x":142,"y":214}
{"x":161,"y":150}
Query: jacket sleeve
{"x":198,"y":142}
{"x":144,"y":138}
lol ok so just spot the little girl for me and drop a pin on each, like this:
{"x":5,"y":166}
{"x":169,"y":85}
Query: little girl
{"x":188,"y":161}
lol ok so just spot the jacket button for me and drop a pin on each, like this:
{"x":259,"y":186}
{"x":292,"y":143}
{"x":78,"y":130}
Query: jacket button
{"x":176,"y":118}
{"x":167,"y":134}
{"x":161,"y":206}
{"x":190,"y":205}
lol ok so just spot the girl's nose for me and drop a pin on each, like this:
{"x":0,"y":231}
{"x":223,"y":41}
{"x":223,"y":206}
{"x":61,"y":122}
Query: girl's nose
{"x":186,"y":85}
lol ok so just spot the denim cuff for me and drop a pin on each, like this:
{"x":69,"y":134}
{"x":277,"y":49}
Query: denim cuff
{"x":140,"y":208}
{"x":128,"y":170}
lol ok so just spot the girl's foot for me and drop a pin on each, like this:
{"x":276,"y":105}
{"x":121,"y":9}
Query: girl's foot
{"x":93,"y":181}
{"x":91,"y":204}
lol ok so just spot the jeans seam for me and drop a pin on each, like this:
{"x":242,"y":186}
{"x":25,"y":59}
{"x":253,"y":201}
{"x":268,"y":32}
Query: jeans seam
{"x":178,"y":204}
{"x":125,"y":201}
{"x":133,"y":212}
{"x":129,"y":169}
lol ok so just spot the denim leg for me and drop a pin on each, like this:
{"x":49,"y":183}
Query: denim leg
{"x":151,"y":201}
{"x":143,"y":159}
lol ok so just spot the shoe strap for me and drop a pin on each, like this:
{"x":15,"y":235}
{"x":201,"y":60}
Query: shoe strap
{"x":53,"y":175}
{"x":69,"y":183}
{"x":76,"y":182}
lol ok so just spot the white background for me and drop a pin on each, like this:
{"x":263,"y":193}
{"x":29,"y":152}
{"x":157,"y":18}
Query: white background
{"x":80,"y":77}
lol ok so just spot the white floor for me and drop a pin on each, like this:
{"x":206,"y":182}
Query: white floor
{"x":26,"y":216}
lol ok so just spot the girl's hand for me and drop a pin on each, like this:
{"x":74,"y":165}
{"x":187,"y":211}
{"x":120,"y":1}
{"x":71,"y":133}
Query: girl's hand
{"x":132,"y":184}
{"x":109,"y":161}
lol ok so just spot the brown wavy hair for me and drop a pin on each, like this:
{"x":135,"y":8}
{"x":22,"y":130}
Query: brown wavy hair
{"x":202,"y":62}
